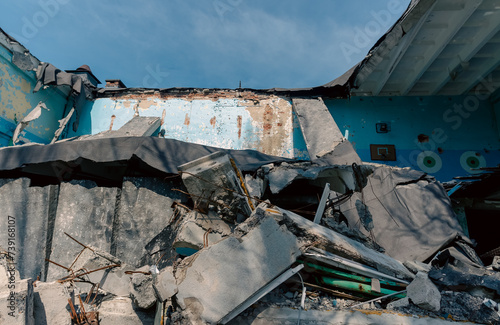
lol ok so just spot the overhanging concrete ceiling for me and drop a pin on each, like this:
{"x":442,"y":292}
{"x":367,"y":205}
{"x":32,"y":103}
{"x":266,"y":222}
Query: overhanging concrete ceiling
{"x":438,"y":47}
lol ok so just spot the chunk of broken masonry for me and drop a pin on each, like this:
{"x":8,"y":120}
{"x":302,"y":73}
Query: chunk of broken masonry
{"x":341,"y":245}
{"x":416,"y":266}
{"x":165,"y":284}
{"x":16,"y":303}
{"x":121,"y":311}
{"x":198,"y":230}
{"x":406,"y":212}
{"x":423,"y":293}
{"x":215,"y":178}
{"x":113,"y":280}
{"x":463,"y":279}
{"x":219,"y":278}
{"x":50,"y":303}
{"x":400,"y":303}
{"x":141,"y":289}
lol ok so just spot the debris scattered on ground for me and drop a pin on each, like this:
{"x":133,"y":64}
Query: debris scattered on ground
{"x":227,"y":253}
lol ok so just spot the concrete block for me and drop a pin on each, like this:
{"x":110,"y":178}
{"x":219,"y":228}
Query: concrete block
{"x":255,"y":186}
{"x":16,"y":303}
{"x":400,"y":303}
{"x":141,"y":289}
{"x":144,"y":210}
{"x":423,"y":293}
{"x":27,"y":210}
{"x":341,"y":245}
{"x":343,"y":154}
{"x":416,"y":266}
{"x":191,"y":235}
{"x":165,"y":284}
{"x":496,"y":263}
{"x":113,"y":280}
{"x":86,"y":212}
{"x":220,"y":277}
{"x":120,"y":311}
{"x":207,"y":180}
{"x":51,"y":303}
{"x":210,"y":220}
{"x":320,"y":131}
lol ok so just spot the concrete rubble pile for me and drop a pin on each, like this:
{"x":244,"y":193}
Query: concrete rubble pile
{"x":291,"y":242}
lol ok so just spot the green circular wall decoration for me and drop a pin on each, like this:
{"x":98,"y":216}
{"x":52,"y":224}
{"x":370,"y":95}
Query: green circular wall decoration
{"x":429,"y":162}
{"x":471,"y":161}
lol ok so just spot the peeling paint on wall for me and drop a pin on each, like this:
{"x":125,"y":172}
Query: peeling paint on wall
{"x":17,"y":100}
{"x":220,"y":119}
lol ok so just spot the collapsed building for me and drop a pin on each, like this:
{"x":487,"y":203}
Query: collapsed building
{"x":365,"y":200}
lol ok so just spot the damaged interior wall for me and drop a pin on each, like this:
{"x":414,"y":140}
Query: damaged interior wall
{"x":225,"y":119}
{"x":17,"y":100}
{"x":444,"y":136}
{"x":118,"y":220}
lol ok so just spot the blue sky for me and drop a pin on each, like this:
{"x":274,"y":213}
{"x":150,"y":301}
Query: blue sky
{"x":209,"y":43}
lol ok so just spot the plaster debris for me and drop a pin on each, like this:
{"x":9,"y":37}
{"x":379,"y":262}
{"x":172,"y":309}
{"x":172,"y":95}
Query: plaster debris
{"x":203,"y":247}
{"x":141,"y":288}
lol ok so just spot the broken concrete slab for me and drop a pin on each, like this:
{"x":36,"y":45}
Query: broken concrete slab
{"x":341,"y":178}
{"x":256,"y":187}
{"x":400,"y":303}
{"x":26,"y":209}
{"x":16,"y":303}
{"x":341,"y":245}
{"x":215,"y":180}
{"x":271,"y":316}
{"x":197,"y":230}
{"x":86,"y":212}
{"x":320,"y":131}
{"x":259,"y":294}
{"x":145,"y":208}
{"x":466,"y":307}
{"x":141,"y":289}
{"x":165,"y":284}
{"x":416,"y":266}
{"x":138,"y":126}
{"x":405,"y":211}
{"x":51,"y":304}
{"x":121,"y":311}
{"x":217,"y":279}
{"x":463,"y":279}
{"x":343,"y":154}
{"x":113,"y":280}
{"x":191,"y":235}
{"x":423,"y":293}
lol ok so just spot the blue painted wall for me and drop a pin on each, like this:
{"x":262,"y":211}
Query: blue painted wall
{"x":17,"y":100}
{"x":266,"y":124}
{"x":462,"y":131}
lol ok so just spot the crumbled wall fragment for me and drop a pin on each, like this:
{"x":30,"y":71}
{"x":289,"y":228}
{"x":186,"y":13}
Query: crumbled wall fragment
{"x":141,"y":288}
{"x":223,"y":275}
{"x":423,"y":293}
{"x":16,"y":304}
